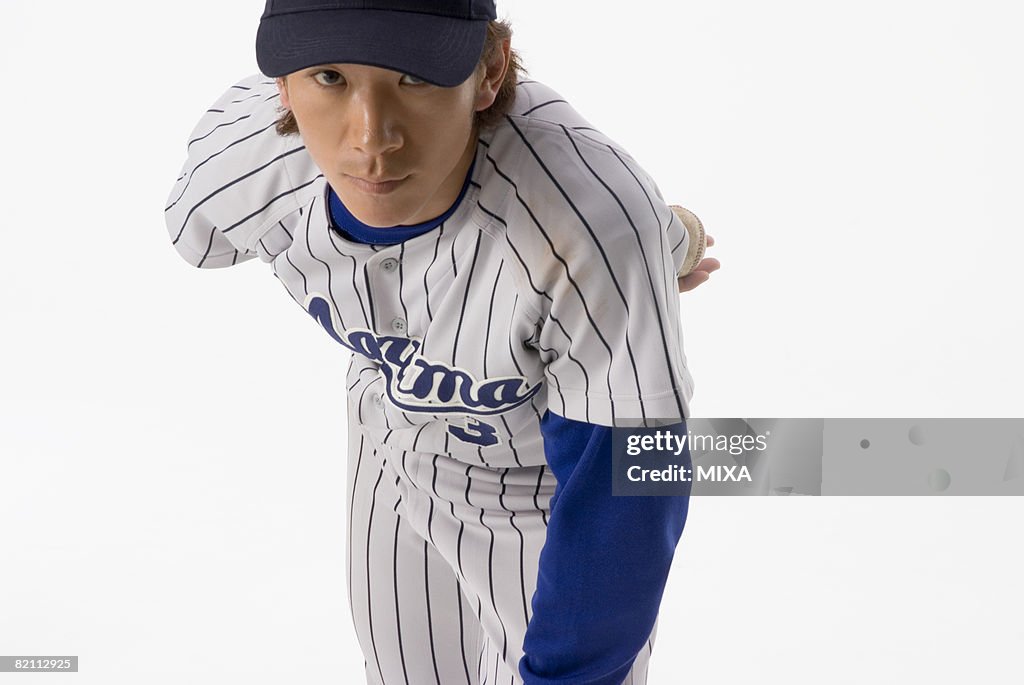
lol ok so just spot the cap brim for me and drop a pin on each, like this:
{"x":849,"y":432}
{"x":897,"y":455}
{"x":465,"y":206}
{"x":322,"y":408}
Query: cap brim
{"x":439,"y":50}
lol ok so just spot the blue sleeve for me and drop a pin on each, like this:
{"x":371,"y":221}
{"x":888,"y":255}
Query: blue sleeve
{"x":603,"y":567}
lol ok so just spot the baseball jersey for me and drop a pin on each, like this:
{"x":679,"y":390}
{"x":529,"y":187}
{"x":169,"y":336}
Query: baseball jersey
{"x":602,"y":572}
{"x":550,"y":284}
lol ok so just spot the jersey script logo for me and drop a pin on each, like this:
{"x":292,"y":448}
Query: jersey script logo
{"x":416,"y":384}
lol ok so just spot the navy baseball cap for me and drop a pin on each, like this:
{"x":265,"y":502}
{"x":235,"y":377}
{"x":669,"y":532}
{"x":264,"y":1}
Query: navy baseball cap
{"x":438,"y":41}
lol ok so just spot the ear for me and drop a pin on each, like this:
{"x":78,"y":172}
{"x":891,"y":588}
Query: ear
{"x":282,"y":88}
{"x":490,"y":80}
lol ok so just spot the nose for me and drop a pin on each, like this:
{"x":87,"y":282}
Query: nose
{"x":373,"y":129}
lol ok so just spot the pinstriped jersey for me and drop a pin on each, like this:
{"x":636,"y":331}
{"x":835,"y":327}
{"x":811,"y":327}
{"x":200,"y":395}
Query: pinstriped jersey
{"x":551,"y":285}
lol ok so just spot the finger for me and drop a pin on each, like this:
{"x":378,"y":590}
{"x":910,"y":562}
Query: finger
{"x":708,"y":264}
{"x":710,"y":239}
{"x":692,"y":280}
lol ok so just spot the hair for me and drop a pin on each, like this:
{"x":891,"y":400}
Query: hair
{"x":497,"y":32}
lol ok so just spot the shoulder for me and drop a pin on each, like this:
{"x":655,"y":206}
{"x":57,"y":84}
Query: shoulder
{"x":542,"y":130}
{"x":565,"y":199}
{"x":546,"y":152}
{"x":547,"y":168}
{"x":248,"y":104}
{"x":240,"y":176}
{"x":545,"y":116}
{"x":237,"y":134}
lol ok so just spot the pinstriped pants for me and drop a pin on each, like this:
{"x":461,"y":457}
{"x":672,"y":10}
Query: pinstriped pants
{"x":442,"y":561}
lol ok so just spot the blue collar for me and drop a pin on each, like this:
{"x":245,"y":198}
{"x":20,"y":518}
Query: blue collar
{"x":356,"y":231}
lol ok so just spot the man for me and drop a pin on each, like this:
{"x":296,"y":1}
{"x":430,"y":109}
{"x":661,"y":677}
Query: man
{"x":505,"y":277}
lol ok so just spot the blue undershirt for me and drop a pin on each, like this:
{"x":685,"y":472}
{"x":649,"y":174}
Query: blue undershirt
{"x":605,"y":559}
{"x":603,"y":567}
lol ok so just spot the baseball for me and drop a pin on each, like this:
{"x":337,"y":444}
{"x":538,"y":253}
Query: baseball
{"x":698,"y":239}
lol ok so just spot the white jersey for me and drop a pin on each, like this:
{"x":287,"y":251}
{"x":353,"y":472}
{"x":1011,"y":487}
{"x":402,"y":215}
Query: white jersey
{"x":552,"y":285}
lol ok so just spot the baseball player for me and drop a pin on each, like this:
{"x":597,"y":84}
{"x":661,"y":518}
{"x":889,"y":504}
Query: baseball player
{"x":504,"y":276}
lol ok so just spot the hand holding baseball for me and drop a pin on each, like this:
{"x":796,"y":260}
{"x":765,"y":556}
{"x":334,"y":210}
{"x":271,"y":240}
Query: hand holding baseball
{"x":696,"y":267}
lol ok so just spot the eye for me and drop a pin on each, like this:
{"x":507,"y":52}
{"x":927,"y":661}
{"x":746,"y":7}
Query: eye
{"x":314,"y":76}
{"x":416,"y":81}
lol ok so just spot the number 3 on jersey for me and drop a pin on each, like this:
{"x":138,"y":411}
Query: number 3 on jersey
{"x":476,"y":432}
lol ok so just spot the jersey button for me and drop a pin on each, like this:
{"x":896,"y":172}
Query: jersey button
{"x":378,"y":400}
{"x":398,"y":325}
{"x":389,"y":264}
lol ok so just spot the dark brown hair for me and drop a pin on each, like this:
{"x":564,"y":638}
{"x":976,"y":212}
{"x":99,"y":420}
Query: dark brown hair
{"x":497,"y":32}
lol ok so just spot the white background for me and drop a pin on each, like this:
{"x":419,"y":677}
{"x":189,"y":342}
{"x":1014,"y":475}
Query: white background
{"x":172,"y":441}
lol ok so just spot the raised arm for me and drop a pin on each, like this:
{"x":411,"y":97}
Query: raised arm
{"x":241,"y":181}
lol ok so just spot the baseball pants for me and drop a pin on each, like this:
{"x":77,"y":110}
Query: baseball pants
{"x":442,"y":560}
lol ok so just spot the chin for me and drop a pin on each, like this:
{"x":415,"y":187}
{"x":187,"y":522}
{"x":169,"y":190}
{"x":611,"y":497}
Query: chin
{"x":384,"y":215}
{"x":380,"y":211}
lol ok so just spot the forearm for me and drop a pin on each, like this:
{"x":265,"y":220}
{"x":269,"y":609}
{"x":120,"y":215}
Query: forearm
{"x":603,"y":568}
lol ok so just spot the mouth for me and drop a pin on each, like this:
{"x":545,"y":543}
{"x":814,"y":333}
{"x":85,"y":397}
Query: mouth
{"x":376,"y":187}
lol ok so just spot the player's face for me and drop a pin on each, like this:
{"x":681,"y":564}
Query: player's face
{"x":396,"y":150}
